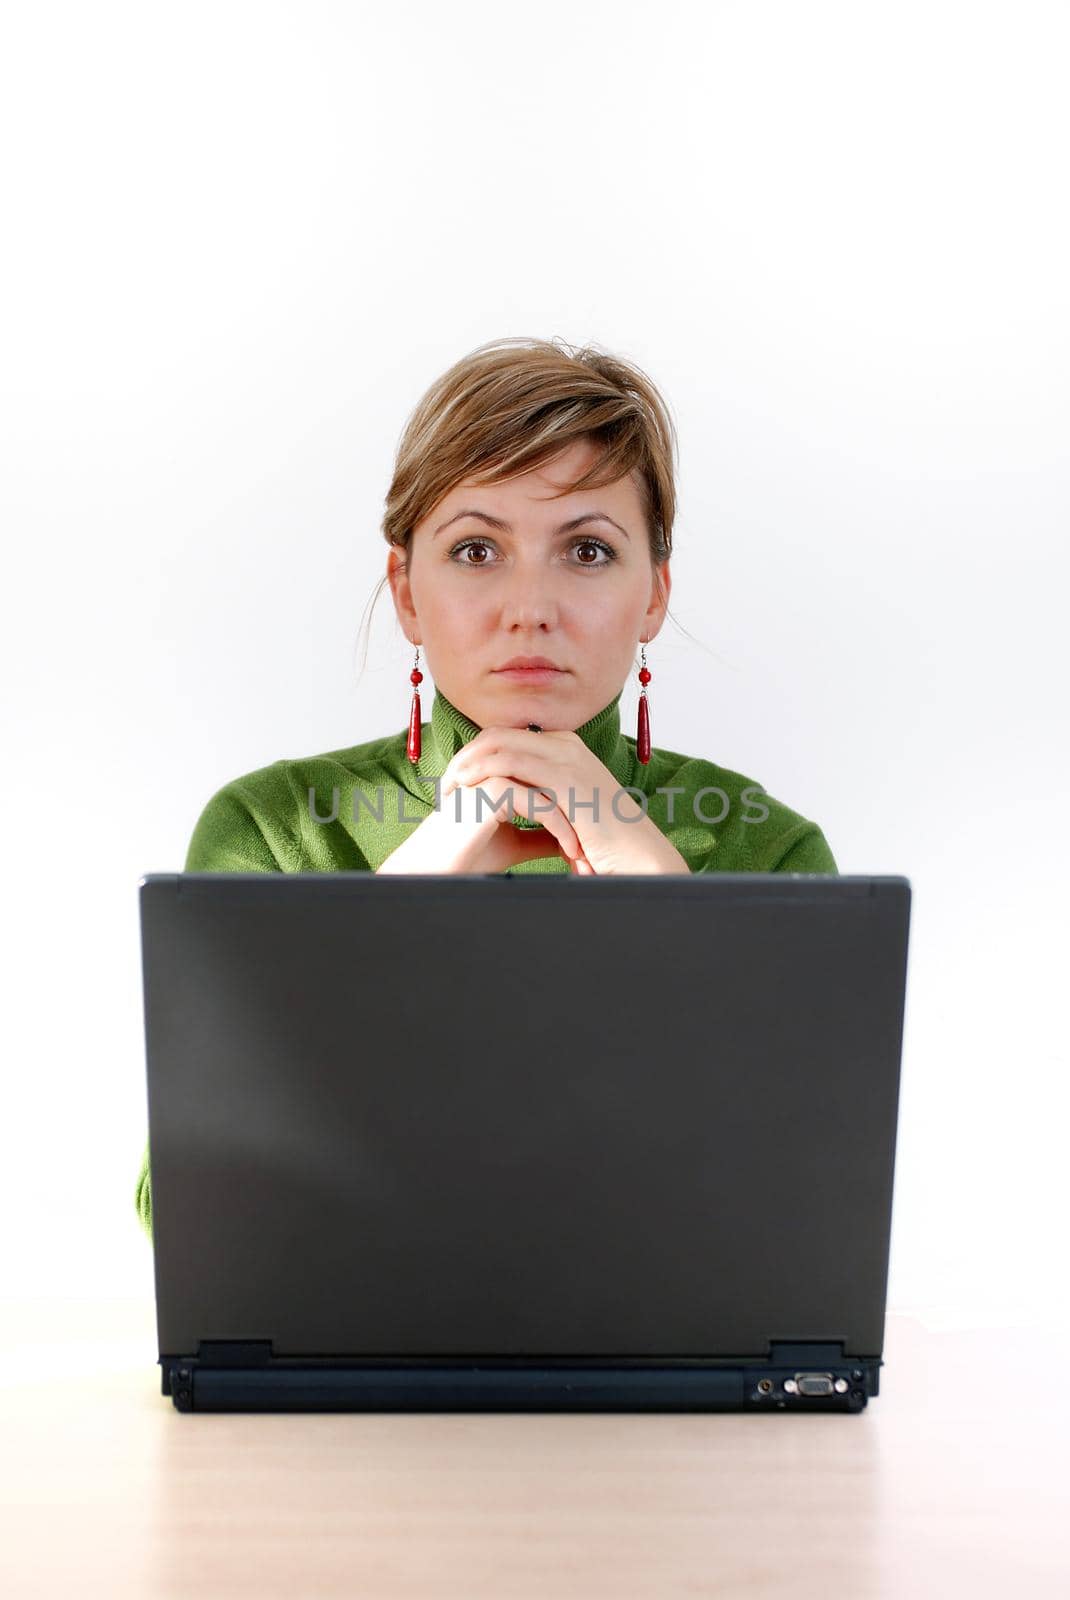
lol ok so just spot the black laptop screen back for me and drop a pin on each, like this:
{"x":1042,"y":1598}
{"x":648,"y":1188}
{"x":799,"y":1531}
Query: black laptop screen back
{"x":420,"y":1117}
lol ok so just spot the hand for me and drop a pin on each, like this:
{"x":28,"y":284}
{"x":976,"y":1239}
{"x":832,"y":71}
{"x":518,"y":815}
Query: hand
{"x":613,"y":836}
{"x":490,"y":843}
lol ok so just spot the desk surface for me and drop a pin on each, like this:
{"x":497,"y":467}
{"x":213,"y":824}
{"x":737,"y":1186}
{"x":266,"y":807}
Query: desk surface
{"x":953,"y":1481}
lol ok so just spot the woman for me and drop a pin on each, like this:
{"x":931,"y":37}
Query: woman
{"x":529,"y":524}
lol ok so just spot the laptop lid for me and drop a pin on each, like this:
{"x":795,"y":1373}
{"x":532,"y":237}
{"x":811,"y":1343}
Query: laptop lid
{"x":616,"y":1119}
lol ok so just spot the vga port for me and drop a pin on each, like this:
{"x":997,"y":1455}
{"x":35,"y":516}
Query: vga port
{"x":814,"y":1383}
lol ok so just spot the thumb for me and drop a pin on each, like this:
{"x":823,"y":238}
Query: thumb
{"x":532,"y":844}
{"x":529,"y":844}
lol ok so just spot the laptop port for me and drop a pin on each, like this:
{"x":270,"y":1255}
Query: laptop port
{"x":810,"y":1383}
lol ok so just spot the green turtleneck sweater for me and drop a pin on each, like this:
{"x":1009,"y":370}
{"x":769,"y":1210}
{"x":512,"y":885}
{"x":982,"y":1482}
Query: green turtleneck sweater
{"x":347,"y":810}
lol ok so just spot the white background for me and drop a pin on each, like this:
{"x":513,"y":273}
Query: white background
{"x":241,"y":240}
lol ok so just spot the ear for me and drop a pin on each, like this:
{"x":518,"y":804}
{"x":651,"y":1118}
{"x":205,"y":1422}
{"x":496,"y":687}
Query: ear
{"x":661,"y":588}
{"x":402,"y":593}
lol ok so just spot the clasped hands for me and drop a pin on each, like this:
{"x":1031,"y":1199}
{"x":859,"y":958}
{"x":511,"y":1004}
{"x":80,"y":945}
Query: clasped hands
{"x":599,"y":826}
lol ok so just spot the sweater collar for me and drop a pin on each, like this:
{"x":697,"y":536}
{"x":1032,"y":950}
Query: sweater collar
{"x":449,"y":729}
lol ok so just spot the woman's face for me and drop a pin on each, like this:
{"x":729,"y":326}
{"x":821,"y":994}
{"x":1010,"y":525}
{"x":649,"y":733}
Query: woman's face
{"x":512,"y":581}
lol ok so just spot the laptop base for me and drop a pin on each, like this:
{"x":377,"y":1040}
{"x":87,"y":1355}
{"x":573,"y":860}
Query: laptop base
{"x":240,"y":1376}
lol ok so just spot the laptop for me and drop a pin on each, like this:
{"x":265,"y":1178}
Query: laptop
{"x":521,"y":1142}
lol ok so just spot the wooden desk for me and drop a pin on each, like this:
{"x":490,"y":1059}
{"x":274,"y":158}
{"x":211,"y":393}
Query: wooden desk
{"x":954,"y":1482}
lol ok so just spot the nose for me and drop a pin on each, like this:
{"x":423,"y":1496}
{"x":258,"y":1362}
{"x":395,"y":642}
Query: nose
{"x":529,"y":604}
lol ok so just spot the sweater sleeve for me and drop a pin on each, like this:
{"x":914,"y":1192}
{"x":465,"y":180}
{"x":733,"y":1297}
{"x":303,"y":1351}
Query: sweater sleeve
{"x":143,"y":1194}
{"x":227,"y":838}
{"x":230,"y":837}
{"x":808,"y":852}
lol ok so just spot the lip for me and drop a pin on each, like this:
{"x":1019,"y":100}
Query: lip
{"x":529,"y":666}
{"x":529,"y":674}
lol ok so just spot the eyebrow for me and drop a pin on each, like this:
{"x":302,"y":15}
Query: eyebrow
{"x":565,"y":527}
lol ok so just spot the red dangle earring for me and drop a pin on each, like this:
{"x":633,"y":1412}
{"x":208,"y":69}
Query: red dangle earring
{"x":642,"y":734}
{"x":416,"y":677}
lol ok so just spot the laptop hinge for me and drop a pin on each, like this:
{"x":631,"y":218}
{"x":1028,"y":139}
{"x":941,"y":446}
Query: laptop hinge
{"x":805,"y":1352}
{"x":234,"y":1352}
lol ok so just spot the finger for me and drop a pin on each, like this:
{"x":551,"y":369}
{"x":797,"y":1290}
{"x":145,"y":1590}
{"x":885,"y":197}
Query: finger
{"x":523,"y":803}
{"x":535,"y":806}
{"x":511,"y":844}
{"x":533,"y":844}
{"x":554,"y":820}
{"x":492,"y":751}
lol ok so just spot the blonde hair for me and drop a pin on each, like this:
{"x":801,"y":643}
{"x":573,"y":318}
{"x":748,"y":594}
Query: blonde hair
{"x":510,"y":406}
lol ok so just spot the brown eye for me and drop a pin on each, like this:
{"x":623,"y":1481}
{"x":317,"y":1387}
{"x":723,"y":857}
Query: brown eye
{"x":596,"y":545}
{"x":472,"y":544}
